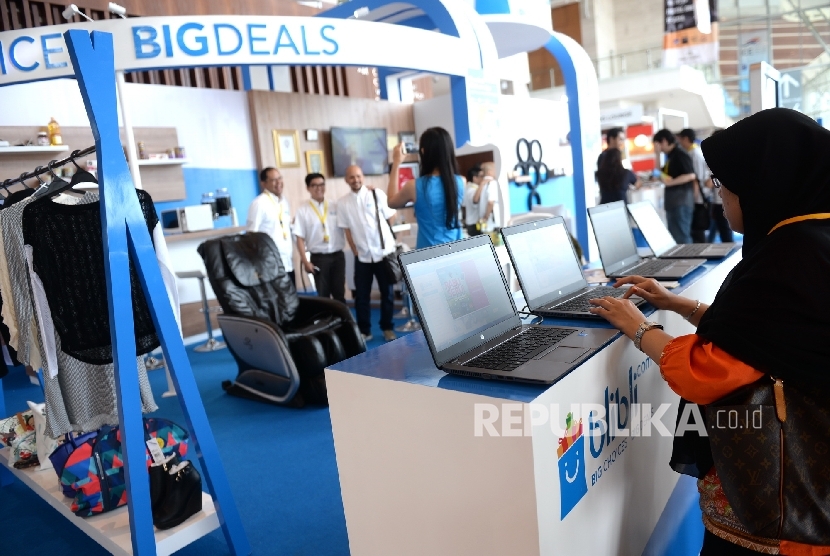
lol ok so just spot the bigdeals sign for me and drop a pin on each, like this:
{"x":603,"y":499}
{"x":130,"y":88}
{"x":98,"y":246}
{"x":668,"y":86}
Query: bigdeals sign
{"x":174,"y":42}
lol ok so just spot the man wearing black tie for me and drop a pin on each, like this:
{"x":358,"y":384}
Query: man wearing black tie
{"x":315,"y":226}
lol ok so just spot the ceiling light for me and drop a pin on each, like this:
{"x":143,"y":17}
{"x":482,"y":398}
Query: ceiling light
{"x":71,"y":11}
{"x":115,"y":9}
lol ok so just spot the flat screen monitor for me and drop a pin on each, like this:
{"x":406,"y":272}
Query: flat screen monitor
{"x":365,"y":147}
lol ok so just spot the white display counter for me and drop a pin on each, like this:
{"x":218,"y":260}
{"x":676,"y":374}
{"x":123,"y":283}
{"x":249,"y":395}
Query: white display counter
{"x":417,"y":479}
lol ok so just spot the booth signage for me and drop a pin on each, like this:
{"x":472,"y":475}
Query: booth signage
{"x":621,"y":116}
{"x":152,"y":43}
{"x":605,"y":431}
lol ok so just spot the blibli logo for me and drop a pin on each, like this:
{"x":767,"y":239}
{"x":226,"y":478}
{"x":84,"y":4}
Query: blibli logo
{"x":571,"y":453}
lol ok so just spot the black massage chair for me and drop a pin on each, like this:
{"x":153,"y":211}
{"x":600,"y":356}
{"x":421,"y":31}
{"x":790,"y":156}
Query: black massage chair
{"x":281,"y":341}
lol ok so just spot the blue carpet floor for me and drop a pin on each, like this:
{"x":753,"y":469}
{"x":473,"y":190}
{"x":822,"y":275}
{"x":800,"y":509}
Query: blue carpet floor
{"x":280,"y":464}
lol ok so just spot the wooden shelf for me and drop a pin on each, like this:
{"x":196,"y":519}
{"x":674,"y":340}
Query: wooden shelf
{"x":32,"y":150}
{"x":163,"y":162}
{"x":112,"y":529}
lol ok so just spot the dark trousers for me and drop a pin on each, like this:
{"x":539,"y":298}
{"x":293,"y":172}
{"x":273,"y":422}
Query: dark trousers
{"x":679,"y":221}
{"x":720,"y":225}
{"x":363,"y":273}
{"x":331,"y":278}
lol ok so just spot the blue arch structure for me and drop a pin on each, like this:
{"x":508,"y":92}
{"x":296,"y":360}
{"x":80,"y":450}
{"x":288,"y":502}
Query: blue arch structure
{"x":580,"y":82}
{"x":433,"y":10}
{"x":428,"y":15}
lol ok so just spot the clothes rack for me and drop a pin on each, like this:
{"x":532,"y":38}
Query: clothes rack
{"x":126,"y":239}
{"x":48,"y":168}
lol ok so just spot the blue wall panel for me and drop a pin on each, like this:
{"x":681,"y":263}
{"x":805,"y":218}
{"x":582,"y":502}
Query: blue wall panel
{"x":555,"y":191}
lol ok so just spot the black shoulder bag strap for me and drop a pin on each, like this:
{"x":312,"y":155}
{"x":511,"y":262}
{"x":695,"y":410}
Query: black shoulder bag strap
{"x":377,"y":217}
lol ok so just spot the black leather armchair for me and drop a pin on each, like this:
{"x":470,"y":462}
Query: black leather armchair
{"x":281,"y":341}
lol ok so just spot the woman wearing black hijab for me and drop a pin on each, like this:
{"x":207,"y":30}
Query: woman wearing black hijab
{"x":771,"y":315}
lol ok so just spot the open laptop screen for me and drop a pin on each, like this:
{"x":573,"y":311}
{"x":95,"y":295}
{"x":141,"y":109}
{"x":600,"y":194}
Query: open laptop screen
{"x":614,"y":238}
{"x":657,"y":235}
{"x":459,"y":294}
{"x":544,"y":259}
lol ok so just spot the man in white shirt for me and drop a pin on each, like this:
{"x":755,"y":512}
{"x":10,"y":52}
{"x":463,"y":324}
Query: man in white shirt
{"x":475,"y":178}
{"x":370,"y":238}
{"x":315,"y":226}
{"x":270,"y":213}
{"x":487,"y":198}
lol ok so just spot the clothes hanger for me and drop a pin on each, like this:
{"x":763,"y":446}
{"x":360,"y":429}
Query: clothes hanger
{"x":55,"y":178}
{"x":43,"y":188}
{"x":81,"y":175}
{"x":56,"y":186}
{"x":24,"y":181}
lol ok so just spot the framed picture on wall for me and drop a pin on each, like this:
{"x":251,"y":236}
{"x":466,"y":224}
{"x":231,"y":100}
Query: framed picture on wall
{"x":407,"y":171}
{"x":287,"y":148}
{"x":315,"y":162}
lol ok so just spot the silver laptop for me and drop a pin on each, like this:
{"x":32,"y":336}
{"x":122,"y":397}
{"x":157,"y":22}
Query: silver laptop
{"x":551,"y":278}
{"x":471,"y":323}
{"x":618,"y":250}
{"x":662,"y":243}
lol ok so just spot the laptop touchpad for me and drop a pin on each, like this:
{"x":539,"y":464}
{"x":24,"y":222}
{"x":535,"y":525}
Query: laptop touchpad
{"x":565,"y":354}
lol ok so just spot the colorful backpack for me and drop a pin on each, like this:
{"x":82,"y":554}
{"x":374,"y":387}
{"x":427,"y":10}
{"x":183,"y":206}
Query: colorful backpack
{"x":95,"y":469}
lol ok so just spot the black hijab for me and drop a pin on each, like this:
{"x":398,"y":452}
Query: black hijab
{"x":773,"y":310}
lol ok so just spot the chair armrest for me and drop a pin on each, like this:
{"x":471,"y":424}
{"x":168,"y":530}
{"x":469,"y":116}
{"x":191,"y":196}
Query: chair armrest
{"x":309,"y":306}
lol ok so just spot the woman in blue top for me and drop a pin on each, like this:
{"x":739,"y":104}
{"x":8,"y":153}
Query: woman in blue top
{"x":437,"y":194}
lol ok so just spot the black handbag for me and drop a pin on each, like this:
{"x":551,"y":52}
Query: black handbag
{"x":701,"y":217}
{"x":770,"y":447}
{"x":175,"y":492}
{"x":390,"y":261}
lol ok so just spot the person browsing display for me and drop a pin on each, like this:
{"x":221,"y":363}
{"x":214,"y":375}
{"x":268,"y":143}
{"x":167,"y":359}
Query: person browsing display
{"x":678,"y":175}
{"x":703,"y":187}
{"x":270,"y":213}
{"x":315,"y":226}
{"x":769,"y":323}
{"x":475,"y":177}
{"x":361,"y":214}
{"x":614,"y":179}
{"x":437,"y":194}
{"x":487,"y":199}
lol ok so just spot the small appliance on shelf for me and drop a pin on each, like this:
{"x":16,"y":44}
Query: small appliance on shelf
{"x":192,"y":218}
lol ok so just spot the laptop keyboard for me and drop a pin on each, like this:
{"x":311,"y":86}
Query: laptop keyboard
{"x":692,"y":249}
{"x":580,"y":303}
{"x":520,"y":349}
{"x":651,"y":267}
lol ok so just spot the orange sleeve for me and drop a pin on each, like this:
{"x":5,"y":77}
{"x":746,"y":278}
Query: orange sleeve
{"x":791,"y":548}
{"x":701,"y":372}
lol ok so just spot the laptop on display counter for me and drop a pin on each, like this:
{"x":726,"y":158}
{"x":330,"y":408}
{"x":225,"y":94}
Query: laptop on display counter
{"x":662,"y":243}
{"x":618,"y":250}
{"x":549,"y":271}
{"x":471,"y":323}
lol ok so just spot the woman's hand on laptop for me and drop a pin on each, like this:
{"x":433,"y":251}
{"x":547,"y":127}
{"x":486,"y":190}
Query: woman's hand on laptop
{"x":650,"y":290}
{"x":621,"y":313}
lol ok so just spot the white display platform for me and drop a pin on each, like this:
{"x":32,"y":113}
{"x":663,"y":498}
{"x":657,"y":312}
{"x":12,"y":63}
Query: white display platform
{"x":415,"y":479}
{"x":112,"y":529}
